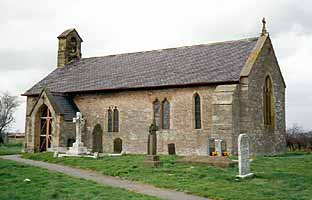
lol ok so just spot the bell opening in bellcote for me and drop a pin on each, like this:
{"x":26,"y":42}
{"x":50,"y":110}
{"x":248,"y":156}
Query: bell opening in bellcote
{"x":69,"y":47}
{"x":73,"y":49}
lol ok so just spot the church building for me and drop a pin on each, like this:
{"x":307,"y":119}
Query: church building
{"x":194,"y":94}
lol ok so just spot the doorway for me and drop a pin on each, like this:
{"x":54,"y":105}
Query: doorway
{"x":45,"y":129}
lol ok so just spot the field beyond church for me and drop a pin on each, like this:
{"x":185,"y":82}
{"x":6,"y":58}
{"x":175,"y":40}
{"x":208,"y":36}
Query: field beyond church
{"x":13,"y":147}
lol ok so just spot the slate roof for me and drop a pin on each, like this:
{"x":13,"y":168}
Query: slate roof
{"x":61,"y":103}
{"x":199,"y":64}
{"x":66,"y":106}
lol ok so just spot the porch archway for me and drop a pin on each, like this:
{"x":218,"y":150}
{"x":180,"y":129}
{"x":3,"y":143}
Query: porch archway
{"x":44,"y":134}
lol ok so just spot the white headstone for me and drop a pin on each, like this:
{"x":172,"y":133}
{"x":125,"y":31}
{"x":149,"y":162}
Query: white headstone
{"x":243,"y":157}
{"x":96,"y":155}
{"x":218,"y":146}
{"x":55,"y":154}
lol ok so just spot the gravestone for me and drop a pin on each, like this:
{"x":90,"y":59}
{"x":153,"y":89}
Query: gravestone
{"x":218,"y":146}
{"x":152,"y":158}
{"x":70,"y":142}
{"x":211,"y":146}
{"x":243,"y":157}
{"x":55,"y":154}
{"x":96,"y":155}
{"x":223,"y":147}
{"x":97,"y":144}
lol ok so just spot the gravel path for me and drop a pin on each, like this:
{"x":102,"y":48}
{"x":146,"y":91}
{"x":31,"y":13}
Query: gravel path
{"x":108,"y":180}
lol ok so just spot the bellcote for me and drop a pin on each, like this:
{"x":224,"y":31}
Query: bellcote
{"x":69,"y":48}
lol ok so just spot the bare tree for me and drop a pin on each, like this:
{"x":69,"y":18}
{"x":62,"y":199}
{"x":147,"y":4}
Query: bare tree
{"x":295,"y":129}
{"x":8,"y":105}
{"x":298,"y":139}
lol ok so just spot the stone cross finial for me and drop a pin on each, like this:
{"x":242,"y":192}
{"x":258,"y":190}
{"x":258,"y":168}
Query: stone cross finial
{"x":264,"y":31}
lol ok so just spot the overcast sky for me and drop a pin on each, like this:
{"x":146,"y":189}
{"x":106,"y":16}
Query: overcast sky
{"x":28,"y":31}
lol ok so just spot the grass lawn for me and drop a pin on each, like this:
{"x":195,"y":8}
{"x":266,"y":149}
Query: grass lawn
{"x":13,"y":147}
{"x":52,"y":185}
{"x":280,"y":177}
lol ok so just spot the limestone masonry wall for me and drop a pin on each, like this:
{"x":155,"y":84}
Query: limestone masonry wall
{"x":225,"y":114}
{"x":136,"y":114}
{"x":263,"y":139}
{"x":29,"y":142}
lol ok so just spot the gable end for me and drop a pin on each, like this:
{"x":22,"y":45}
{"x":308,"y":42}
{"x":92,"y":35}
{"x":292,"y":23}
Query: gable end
{"x":254,"y":54}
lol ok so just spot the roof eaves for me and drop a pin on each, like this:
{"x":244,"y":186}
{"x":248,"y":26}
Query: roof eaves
{"x":147,"y":87}
{"x":157,"y":87}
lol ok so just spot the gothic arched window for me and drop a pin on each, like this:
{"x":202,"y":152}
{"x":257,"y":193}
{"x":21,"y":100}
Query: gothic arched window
{"x":165,"y":114}
{"x":116,"y":120}
{"x":197,"y":111}
{"x":156,"y":111}
{"x":109,"y":120}
{"x":268,"y":111}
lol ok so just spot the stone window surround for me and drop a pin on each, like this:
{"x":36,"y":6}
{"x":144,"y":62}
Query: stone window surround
{"x":194,"y":112}
{"x":161,"y":113}
{"x":157,"y":112}
{"x":268,"y":116}
{"x":115,"y":120}
{"x":111,"y":120}
{"x":165,"y":126}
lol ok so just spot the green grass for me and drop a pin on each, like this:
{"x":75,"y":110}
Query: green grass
{"x":13,"y":147}
{"x":280,"y":177}
{"x":45,"y":185}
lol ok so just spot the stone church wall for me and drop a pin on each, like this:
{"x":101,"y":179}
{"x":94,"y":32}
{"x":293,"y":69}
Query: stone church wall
{"x":225,"y":117}
{"x":264,"y":140}
{"x":136,"y":114}
{"x":68,"y":132}
{"x":29,"y":142}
